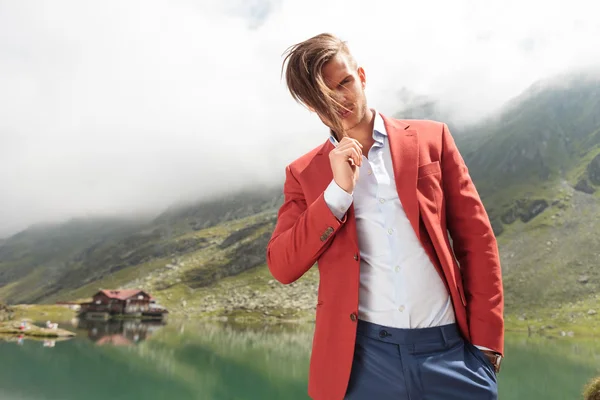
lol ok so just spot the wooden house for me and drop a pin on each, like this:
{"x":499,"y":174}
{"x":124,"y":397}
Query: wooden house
{"x":126,"y":302}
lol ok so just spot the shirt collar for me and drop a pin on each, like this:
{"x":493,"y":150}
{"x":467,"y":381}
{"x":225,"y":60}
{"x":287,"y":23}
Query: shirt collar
{"x":379,"y":126}
{"x":379,"y":131}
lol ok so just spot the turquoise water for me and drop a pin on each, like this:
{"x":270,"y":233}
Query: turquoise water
{"x":182,"y":361}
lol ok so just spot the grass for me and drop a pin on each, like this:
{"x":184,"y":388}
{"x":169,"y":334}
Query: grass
{"x":255,"y":280}
{"x":580,"y":170}
{"x":12,"y":328}
{"x":570,"y":318}
{"x":42,"y":312}
{"x":114,"y":280}
{"x":24,"y":288}
{"x":147,"y":275}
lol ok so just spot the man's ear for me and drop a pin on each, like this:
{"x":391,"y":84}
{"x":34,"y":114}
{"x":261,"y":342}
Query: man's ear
{"x":362,"y":76}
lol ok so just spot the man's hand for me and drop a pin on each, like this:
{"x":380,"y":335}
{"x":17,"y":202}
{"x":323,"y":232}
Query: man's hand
{"x":345,"y":160}
{"x":494,"y":359}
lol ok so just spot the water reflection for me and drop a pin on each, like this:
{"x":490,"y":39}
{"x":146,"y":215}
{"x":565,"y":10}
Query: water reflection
{"x":202,"y":361}
{"x":126,"y":332}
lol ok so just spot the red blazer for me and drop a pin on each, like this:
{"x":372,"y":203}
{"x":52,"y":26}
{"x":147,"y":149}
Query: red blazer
{"x":438,"y":196}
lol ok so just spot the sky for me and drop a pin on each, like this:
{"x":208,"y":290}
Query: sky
{"x":130,"y":106}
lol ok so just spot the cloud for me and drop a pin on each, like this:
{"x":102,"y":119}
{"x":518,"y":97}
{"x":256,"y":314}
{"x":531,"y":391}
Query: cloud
{"x":130,"y":106}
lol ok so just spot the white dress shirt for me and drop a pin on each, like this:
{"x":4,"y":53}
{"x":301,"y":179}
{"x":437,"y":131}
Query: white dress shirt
{"x":399,"y":286}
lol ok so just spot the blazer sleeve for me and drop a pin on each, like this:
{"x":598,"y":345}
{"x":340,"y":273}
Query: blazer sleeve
{"x":475,"y":248}
{"x":303,"y":231}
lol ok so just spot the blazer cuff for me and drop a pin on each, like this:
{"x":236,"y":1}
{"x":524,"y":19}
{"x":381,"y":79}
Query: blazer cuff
{"x":337,"y":199}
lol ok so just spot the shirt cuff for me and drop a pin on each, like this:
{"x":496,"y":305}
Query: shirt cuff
{"x":337,"y":199}
{"x":483,"y":348}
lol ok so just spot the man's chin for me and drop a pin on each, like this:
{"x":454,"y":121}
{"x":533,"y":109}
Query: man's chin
{"x":351,"y":123}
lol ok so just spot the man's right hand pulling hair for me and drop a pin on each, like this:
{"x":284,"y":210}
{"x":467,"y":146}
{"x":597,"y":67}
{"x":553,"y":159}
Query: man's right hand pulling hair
{"x":345,"y":160}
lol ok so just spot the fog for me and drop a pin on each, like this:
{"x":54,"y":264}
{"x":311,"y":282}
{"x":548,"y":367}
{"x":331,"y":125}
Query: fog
{"x":131,"y":106}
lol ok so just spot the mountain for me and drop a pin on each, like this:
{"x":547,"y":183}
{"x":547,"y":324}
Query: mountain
{"x":536,"y":164}
{"x":549,"y":134}
{"x":415,"y":106}
{"x":45,"y":260}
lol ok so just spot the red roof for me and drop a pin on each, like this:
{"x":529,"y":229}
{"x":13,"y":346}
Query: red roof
{"x":123,"y":294}
{"x":115,"y":340}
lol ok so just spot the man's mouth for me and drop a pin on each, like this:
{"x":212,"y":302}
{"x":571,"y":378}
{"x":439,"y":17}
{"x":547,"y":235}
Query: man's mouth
{"x":345,"y":113}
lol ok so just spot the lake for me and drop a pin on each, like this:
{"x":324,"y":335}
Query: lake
{"x":185,"y":360}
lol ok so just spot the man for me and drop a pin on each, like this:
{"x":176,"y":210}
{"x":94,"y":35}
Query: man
{"x":398,"y":316}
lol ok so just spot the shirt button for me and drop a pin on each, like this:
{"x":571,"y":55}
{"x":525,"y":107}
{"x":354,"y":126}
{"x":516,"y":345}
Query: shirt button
{"x":370,"y":172}
{"x":397,"y":269}
{"x":382,"y":200}
{"x":401,"y":308}
{"x":390,"y":231}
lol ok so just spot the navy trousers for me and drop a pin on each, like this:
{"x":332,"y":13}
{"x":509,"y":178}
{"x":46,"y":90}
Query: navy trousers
{"x":418,"y":364}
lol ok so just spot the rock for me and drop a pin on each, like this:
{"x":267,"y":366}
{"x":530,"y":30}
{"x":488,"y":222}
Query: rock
{"x":592,"y":312}
{"x":583,"y":279}
{"x":510,"y":216}
{"x":535,"y":208}
{"x":584,"y":186}
{"x":497,"y":227}
{"x":593,"y":170}
{"x":183,"y":303}
{"x":240,"y":234}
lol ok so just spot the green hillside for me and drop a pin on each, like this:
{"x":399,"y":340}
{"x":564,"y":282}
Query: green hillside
{"x":41,"y":263}
{"x":536,"y":164}
{"x":549,"y":134}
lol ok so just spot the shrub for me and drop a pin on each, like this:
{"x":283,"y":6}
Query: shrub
{"x":592,"y":390}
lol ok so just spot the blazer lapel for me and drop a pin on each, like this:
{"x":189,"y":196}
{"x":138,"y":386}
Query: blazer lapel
{"x":404,"y":147}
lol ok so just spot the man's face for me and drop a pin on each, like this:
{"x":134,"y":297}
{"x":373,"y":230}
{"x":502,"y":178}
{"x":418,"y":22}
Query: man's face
{"x":348,"y":85}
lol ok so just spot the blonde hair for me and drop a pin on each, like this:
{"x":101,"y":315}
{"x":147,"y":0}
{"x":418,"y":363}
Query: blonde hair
{"x":304,"y":77}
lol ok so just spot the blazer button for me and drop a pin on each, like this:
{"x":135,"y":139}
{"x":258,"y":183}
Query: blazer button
{"x":356,"y":257}
{"x":353,"y":317}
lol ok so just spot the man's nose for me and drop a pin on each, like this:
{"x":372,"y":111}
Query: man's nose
{"x":341,"y":96}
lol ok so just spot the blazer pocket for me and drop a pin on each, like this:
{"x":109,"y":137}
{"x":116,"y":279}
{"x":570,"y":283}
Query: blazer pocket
{"x":429,"y":169}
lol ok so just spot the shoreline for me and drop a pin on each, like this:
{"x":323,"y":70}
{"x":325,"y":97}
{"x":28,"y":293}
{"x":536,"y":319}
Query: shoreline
{"x":540,"y":325}
{"x":12,"y":328}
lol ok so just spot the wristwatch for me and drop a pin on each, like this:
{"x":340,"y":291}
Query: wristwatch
{"x":495,"y":359}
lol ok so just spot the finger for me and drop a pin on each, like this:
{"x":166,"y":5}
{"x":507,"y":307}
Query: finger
{"x":358,"y":152}
{"x":355,"y":145}
{"x":347,"y":140}
{"x":353,"y":154}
